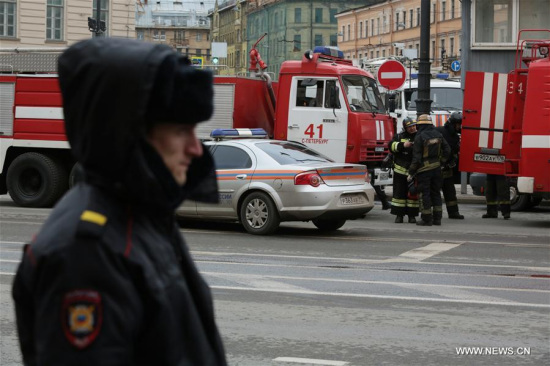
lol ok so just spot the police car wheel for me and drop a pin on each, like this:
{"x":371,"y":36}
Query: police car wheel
{"x":259,"y":214}
{"x":36,"y":180}
{"x":329,"y":225}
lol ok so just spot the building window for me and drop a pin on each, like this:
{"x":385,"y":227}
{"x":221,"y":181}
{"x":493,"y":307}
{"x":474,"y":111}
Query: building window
{"x":371,"y":54}
{"x":377,"y":26}
{"x":433,"y":13}
{"x":103,"y":14}
{"x":360,"y":29}
{"x":333,"y":40}
{"x":418,"y":17}
{"x":159,"y":35}
{"x":372,"y":27}
{"x":297,"y":15}
{"x":383,"y":53}
{"x":54,"y":20}
{"x":452,"y":9}
{"x":198,"y":52}
{"x":404,"y":19}
{"x":366,"y":28}
{"x":318,"y":15}
{"x":343,"y":33}
{"x":411,"y":13}
{"x":452,"y":46}
{"x":297,"y":43}
{"x":349,"y":32}
{"x":384,"y":23}
{"x":333,"y":19}
{"x":396,"y":21}
{"x":198,"y":37}
{"x":433,"y":51}
{"x":443,"y":50}
{"x":7,"y":18}
{"x":443,"y":10}
{"x":318,"y":40}
{"x":140,"y":35}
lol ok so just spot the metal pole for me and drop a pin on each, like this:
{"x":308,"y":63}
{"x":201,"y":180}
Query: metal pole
{"x":98,"y":18}
{"x":423,"y":103}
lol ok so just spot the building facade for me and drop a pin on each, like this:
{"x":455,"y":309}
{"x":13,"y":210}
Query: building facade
{"x":60,"y":23}
{"x":293,"y":27}
{"x":228,"y":24}
{"x":384,"y":29}
{"x":491,"y":29}
{"x":184,"y":26}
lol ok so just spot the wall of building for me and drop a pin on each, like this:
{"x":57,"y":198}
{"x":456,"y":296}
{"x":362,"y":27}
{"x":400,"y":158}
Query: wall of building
{"x":372,"y":31}
{"x":31,"y":23}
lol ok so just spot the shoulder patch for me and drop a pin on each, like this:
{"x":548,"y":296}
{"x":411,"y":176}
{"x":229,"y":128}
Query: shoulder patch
{"x":81,"y":317}
{"x":93,"y":217}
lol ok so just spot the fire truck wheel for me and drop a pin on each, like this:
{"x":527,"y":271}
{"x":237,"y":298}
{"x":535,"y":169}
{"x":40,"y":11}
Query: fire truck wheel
{"x":76,"y":175}
{"x":329,"y":225}
{"x":36,"y":180}
{"x":259,"y":214}
{"x":519,"y":202}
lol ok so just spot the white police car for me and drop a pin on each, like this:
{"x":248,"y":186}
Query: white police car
{"x":263,"y":182}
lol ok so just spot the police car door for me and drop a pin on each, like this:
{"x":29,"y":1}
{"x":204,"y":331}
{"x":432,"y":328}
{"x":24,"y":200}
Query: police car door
{"x":316,"y":117}
{"x":234,"y":169}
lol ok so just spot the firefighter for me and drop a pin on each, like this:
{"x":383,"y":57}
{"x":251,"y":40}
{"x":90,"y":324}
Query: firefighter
{"x":430,"y":150}
{"x":451,"y":133}
{"x":403,"y":203}
{"x":497,"y":193}
{"x":109,"y":279}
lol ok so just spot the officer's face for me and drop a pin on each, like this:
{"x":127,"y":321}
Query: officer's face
{"x":458,"y":127}
{"x":177,"y":144}
{"x":411,"y":129}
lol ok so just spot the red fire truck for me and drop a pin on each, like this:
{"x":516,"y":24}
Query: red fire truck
{"x":322,"y":101}
{"x":506,"y":123}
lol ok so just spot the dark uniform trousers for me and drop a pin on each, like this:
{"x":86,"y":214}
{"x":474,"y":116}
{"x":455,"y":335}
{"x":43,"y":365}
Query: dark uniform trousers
{"x":429,"y":183}
{"x":402,"y":202}
{"x":449,"y":191}
{"x":497,"y":193}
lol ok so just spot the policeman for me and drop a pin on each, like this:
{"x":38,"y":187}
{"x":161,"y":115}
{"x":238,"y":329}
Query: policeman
{"x":429,"y":150}
{"x":497,"y":193}
{"x":403,"y":203}
{"x":451,"y":133}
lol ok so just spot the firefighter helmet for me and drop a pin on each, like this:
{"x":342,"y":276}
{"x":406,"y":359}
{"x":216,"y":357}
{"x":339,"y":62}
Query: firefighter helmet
{"x":424,"y":119}
{"x":408,"y":122}
{"x":456,"y":117}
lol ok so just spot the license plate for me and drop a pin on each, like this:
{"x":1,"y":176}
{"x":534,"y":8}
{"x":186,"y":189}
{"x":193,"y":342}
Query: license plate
{"x":489,"y":158}
{"x":379,"y":149}
{"x":352,"y":199}
{"x":382,"y":178}
{"x":383,"y":175}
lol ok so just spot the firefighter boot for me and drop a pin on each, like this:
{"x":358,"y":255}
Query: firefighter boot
{"x":456,"y":215}
{"x":425,"y":220}
{"x":437,"y":218}
{"x":505,"y":209}
{"x":412,"y":220}
{"x":398,"y":219}
{"x":492,"y":212}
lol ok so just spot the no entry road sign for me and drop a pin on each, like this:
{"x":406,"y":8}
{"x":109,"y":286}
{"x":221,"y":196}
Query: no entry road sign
{"x":391,"y":74}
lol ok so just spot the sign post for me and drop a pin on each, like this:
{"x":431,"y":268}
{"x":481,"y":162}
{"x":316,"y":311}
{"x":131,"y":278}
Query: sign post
{"x":391,"y":74}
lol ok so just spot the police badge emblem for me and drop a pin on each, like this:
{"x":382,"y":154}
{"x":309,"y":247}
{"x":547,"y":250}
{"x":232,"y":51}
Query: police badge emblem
{"x":82,"y":315}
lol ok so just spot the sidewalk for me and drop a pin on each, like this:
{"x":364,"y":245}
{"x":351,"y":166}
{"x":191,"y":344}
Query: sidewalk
{"x":468,"y":197}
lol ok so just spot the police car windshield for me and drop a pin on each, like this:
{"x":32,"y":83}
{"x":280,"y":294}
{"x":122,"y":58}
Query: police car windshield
{"x":286,"y":153}
{"x":362,"y":94}
{"x":449,"y":99}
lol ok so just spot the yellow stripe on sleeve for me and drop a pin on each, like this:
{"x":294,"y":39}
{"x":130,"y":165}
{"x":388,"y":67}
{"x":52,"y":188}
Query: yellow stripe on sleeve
{"x":93,"y":217}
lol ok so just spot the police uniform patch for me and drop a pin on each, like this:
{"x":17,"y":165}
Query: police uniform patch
{"x":82,"y":315}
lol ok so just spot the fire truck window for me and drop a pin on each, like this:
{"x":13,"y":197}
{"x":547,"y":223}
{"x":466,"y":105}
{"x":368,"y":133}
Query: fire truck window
{"x":332,"y":95}
{"x":310,"y":93}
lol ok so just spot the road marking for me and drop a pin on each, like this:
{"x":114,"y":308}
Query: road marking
{"x":385,"y":297}
{"x":349,"y":260}
{"x":419,"y":254}
{"x":415,"y":285}
{"x":310,"y":361}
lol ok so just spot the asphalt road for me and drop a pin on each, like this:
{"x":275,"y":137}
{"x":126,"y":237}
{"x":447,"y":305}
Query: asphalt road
{"x":372,"y":293}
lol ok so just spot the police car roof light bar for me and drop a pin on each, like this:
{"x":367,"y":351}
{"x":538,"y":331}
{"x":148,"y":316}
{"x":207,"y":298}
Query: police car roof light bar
{"x":233,"y":133}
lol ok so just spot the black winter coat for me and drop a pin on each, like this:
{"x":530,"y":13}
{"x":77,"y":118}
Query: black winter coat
{"x":109,"y":280}
{"x":453,"y":139}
